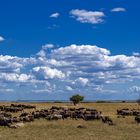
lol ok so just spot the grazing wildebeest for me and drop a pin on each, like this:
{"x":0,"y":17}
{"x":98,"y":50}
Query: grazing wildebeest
{"x":28,"y":118}
{"x":23,"y":106}
{"x":136,"y":112}
{"x":54,"y":117}
{"x":53,"y":113}
{"x":5,"y":114}
{"x":15,"y":119}
{"x":125,"y":112}
{"x":36,"y":114}
{"x":107,"y":120}
{"x":88,"y":117}
{"x":24,"y":114}
{"x":81,"y":126}
{"x":137,"y":119}
{"x":4,"y":121}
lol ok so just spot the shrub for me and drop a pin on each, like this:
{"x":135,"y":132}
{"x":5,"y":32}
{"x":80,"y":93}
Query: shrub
{"x":76,"y":99}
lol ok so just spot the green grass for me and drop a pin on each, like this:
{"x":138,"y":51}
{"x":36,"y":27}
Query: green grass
{"x":124,"y":128}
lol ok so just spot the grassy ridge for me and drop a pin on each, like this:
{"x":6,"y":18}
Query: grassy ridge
{"x":124,"y":128}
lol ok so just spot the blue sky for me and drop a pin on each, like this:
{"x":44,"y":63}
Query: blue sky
{"x":53,"y":49}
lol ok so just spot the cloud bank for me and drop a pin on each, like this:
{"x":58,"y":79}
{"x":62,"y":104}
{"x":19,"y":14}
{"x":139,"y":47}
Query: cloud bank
{"x":73,"y":68}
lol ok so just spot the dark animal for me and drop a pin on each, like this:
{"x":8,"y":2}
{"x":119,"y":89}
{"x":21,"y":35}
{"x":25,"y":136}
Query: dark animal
{"x":107,"y":120}
{"x":137,"y":119}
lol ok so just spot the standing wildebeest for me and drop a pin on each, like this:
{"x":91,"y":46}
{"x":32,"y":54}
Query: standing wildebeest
{"x":125,"y":112}
{"x":107,"y":120}
{"x":137,"y":119}
{"x":5,"y":121}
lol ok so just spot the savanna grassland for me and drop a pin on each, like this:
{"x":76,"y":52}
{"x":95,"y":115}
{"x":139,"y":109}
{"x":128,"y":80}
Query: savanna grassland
{"x":124,"y":128}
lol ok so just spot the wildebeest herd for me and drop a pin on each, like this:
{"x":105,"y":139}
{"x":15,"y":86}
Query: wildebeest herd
{"x":129,"y":112}
{"x":15,"y":107}
{"x":7,"y":117}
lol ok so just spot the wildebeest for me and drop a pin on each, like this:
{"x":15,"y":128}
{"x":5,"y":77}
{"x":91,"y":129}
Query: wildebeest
{"x":24,"y":114}
{"x":10,"y":109}
{"x":136,"y":112}
{"x":15,"y":119}
{"x":5,"y":114}
{"x":54,"y":117}
{"x":5,"y":121}
{"x":53,"y":113}
{"x":107,"y":120}
{"x":137,"y":119}
{"x":23,"y":106}
{"x":28,"y":118}
{"x":125,"y":112}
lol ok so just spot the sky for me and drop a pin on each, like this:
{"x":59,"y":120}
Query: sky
{"x":50,"y":50}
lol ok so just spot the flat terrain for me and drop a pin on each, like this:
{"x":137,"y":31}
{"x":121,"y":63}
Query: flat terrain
{"x":124,"y":128}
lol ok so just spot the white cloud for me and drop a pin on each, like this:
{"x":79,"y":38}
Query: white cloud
{"x":84,"y":16}
{"x":80,"y":50}
{"x":6,"y":90}
{"x":23,"y":77}
{"x":10,"y":64}
{"x":41,"y":53}
{"x":47,"y":46}
{"x":41,"y":91}
{"x":48,"y":73}
{"x":69,"y":88}
{"x":136,"y":54}
{"x":13,"y":77}
{"x":134,"y":89}
{"x":118,"y":9}
{"x":57,"y":63}
{"x":55,"y":15}
{"x":81,"y":81}
{"x":1,"y":39}
{"x":97,"y":64}
{"x":70,"y":68}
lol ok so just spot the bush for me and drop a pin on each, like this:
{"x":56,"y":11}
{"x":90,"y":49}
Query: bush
{"x":76,"y":99}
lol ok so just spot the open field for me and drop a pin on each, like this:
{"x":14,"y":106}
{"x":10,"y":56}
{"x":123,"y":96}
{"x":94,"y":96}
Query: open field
{"x":124,"y":128}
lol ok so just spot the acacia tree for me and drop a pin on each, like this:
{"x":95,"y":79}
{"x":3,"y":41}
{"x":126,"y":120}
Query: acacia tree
{"x":76,"y":99}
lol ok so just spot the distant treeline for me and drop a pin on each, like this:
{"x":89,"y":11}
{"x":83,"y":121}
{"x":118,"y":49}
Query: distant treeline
{"x":67,"y":101}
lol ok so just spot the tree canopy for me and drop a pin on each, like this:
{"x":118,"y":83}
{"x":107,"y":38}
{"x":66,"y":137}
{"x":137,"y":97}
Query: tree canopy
{"x":76,"y":99}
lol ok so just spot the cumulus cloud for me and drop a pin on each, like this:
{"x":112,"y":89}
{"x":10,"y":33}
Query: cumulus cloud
{"x":45,"y":47}
{"x":118,"y":9}
{"x":68,"y":88}
{"x":55,"y":15}
{"x":75,"y":68}
{"x":9,"y":63}
{"x":84,"y":16}
{"x":48,"y":73}
{"x":81,"y":49}
{"x":136,"y":54}
{"x":14,"y":77}
{"x":41,"y":53}
{"x":1,"y":39}
{"x":81,"y":81}
{"x":134,"y":89}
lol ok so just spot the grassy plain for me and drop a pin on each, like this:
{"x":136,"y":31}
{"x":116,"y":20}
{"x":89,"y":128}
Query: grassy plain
{"x":124,"y":128}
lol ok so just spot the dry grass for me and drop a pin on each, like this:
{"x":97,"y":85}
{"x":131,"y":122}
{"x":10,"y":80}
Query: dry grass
{"x":124,"y":128}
